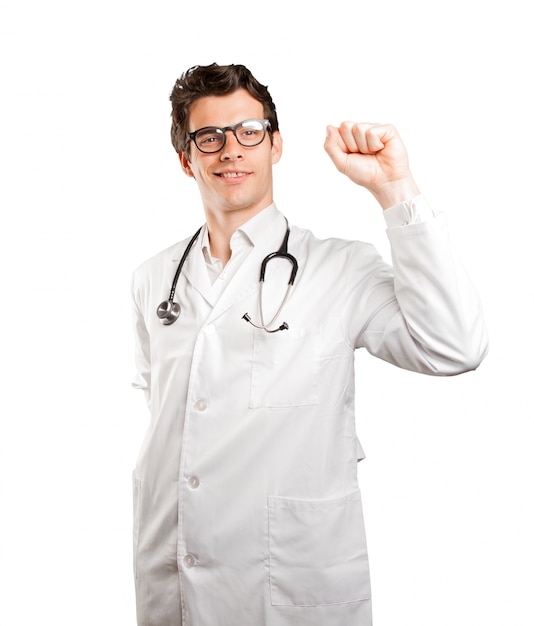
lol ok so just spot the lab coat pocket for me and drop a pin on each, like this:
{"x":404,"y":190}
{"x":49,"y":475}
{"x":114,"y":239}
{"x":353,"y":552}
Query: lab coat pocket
{"x":285,"y":368}
{"x":136,"y":520}
{"x":317,"y":551}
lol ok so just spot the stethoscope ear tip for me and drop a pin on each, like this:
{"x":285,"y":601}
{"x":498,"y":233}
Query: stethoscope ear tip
{"x":283,"y":326}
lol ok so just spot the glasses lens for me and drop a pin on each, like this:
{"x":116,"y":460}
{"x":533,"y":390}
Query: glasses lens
{"x":209,"y":139}
{"x":250,"y":132}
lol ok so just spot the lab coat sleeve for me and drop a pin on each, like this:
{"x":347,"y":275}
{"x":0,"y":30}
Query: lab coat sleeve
{"x":424,"y":313}
{"x":141,"y":344}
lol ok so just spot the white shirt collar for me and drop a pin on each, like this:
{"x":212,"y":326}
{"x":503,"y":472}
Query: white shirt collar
{"x":247,"y":235}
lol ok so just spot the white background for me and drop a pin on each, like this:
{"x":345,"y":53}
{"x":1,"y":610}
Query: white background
{"x":90,"y":187}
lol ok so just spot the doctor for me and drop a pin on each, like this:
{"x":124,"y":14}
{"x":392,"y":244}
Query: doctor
{"x":247,"y":510}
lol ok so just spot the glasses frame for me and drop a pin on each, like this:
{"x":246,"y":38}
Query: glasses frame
{"x":223,"y":130}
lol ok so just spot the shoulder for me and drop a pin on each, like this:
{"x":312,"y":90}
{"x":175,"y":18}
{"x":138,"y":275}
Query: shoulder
{"x":337,"y":246}
{"x":346,"y":262}
{"x":154,"y":265}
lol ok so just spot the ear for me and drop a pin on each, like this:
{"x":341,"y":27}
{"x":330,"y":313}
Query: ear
{"x":186,"y":165}
{"x":276,"y":149}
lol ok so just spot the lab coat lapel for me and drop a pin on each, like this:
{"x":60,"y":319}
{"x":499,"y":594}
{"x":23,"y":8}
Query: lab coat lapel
{"x":196,"y":273}
{"x":244,"y":282}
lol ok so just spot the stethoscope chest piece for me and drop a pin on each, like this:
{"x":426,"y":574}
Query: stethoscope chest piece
{"x":168,"y":312}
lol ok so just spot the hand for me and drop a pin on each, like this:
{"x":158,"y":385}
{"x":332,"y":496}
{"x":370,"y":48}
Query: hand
{"x":373,"y":156}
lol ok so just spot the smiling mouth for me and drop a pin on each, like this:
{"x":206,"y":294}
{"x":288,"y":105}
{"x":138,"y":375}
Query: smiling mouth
{"x":232,"y":174}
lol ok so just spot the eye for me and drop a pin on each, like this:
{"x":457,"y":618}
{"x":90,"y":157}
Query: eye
{"x":250,"y":129}
{"x":209,"y":139}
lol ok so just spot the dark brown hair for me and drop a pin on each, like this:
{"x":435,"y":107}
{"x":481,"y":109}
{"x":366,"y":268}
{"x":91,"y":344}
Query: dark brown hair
{"x":213,"y":80}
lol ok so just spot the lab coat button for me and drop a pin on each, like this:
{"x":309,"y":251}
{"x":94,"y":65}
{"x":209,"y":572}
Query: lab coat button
{"x":189,"y":560}
{"x":194,"y":482}
{"x":201,"y":405}
{"x":209,"y":329}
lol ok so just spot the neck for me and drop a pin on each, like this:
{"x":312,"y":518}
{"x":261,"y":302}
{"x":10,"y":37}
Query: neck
{"x":220,"y":243}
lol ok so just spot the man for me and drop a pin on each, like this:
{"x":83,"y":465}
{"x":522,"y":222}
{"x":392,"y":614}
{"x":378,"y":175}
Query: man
{"x":247,"y":506}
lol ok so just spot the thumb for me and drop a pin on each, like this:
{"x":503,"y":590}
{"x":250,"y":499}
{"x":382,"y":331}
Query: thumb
{"x":335,"y":147}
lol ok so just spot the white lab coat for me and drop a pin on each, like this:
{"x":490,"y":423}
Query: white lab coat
{"x":247,"y":510}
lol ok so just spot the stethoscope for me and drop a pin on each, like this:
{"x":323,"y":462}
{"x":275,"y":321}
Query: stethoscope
{"x":169,"y":310}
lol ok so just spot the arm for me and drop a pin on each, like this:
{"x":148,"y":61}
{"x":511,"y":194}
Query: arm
{"x":142,"y":347}
{"x":423,"y":315}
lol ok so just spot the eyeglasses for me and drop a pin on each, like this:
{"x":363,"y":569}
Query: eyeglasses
{"x":212,"y":138}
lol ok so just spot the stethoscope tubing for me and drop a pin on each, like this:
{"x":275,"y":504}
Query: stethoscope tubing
{"x":169,"y":311}
{"x":181,"y":264}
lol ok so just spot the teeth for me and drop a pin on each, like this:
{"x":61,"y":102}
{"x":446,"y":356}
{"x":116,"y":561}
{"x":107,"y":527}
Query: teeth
{"x":232,"y":174}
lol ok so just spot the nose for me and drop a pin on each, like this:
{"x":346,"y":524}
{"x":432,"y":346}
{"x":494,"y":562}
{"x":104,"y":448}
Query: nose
{"x":232,"y":148}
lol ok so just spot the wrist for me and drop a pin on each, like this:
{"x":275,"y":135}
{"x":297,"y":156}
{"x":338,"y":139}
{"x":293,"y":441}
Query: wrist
{"x":396,"y":192}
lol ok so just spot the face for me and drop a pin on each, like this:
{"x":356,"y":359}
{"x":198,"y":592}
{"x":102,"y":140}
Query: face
{"x":236,"y":180}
